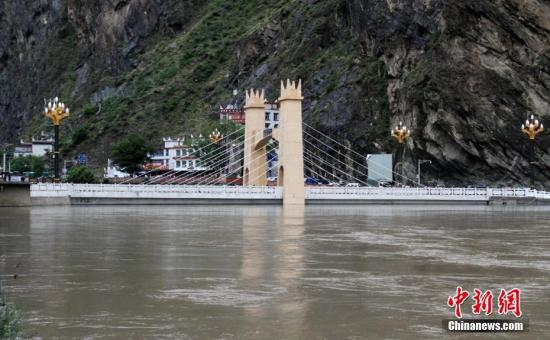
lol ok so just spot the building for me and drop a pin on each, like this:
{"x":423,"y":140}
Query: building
{"x":111,"y":171}
{"x":271,"y":115}
{"x":236,"y":115}
{"x":232,"y":113}
{"x":177,"y":154}
{"x":36,"y":147}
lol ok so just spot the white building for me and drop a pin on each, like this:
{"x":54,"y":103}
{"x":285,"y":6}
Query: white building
{"x":111,"y":171}
{"x":37,"y":147}
{"x":178,"y":155}
{"x":271,"y":115}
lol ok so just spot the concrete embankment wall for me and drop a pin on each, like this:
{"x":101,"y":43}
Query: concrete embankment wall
{"x":392,"y":202}
{"x":170,"y":201}
{"x":15,"y":195}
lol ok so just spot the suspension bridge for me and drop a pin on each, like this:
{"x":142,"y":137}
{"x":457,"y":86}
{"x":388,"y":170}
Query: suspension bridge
{"x":302,"y":150}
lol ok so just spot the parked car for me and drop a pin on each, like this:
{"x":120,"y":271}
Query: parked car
{"x":385,"y":184}
{"x":352,"y":185}
{"x":310,"y":181}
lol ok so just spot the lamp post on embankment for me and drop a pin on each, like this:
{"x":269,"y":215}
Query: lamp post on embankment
{"x":532,"y":128}
{"x":6,"y":169}
{"x":420,"y":162}
{"x":400,"y":133}
{"x":56,"y":111}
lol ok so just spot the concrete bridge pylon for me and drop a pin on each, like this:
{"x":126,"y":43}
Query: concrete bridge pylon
{"x":289,"y":136}
{"x":255,"y":167}
{"x":291,"y":149}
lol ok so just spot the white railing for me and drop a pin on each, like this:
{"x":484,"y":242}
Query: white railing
{"x":464,"y":194}
{"x":154,"y":191}
{"x":265,"y":192}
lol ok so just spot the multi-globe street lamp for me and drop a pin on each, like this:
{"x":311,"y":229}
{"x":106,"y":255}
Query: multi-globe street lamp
{"x":215,"y":136}
{"x":400,"y":133}
{"x":532,"y":128}
{"x":56,"y":111}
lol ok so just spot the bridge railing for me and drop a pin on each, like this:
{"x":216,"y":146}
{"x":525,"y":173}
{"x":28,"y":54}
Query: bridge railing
{"x":421,"y":193}
{"x":212,"y":191}
{"x":49,"y":189}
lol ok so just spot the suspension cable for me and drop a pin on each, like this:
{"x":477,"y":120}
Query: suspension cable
{"x":347,"y":148}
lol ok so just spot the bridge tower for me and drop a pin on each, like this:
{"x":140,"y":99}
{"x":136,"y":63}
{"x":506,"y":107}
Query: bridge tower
{"x":255,"y":166}
{"x":289,"y":135}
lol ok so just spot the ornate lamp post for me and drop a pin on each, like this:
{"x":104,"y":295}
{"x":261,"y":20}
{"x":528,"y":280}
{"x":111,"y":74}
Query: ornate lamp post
{"x":56,"y":111}
{"x":215,"y":136}
{"x":532,"y":128}
{"x":400,"y":133}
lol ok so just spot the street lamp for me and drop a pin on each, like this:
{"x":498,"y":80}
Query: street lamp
{"x":56,"y":111}
{"x":215,"y":136}
{"x":400,"y":133}
{"x":4,"y":156}
{"x":420,"y":162}
{"x":532,"y":128}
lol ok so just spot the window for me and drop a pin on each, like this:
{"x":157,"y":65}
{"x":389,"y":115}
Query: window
{"x":178,"y":152}
{"x":178,"y":164}
{"x":276,"y":116}
{"x":166,"y":152}
{"x":267,"y":125}
{"x":267,"y":116}
{"x":275,"y":126}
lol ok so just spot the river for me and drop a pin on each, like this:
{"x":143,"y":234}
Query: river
{"x":233,"y":272}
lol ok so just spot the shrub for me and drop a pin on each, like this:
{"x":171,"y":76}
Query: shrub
{"x":81,"y":174}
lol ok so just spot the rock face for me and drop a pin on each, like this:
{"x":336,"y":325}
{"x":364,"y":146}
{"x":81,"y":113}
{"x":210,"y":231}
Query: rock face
{"x":462,"y":74}
{"x":69,"y":46}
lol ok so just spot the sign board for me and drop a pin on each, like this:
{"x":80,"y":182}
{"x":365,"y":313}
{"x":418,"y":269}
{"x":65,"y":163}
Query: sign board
{"x":82,"y":159}
{"x":380,"y":167}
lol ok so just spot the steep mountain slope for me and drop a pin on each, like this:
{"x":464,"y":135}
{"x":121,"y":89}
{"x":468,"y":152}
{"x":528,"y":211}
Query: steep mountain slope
{"x":462,"y":74}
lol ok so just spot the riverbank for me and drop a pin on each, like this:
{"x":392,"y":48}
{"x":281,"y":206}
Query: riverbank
{"x":15,"y":194}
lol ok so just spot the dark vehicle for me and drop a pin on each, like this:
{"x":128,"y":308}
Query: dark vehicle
{"x":315,"y":181}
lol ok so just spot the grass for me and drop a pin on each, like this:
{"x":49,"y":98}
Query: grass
{"x":10,"y":318}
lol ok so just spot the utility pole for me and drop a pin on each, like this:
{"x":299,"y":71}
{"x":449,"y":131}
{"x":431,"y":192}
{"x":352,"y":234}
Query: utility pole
{"x":4,"y":173}
{"x":400,"y":133}
{"x":420,"y":162}
{"x":532,"y":128}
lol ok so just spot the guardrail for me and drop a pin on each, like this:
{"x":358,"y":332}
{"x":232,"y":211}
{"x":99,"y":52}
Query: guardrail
{"x":271,"y":192}
{"x":154,"y":191}
{"x":421,"y":193}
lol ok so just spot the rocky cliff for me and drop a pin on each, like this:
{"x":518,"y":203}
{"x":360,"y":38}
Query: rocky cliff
{"x":462,"y":74}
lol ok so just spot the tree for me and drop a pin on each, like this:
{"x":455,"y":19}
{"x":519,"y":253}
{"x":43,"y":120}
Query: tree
{"x":29,"y":163}
{"x":81,"y":174}
{"x":131,"y":153}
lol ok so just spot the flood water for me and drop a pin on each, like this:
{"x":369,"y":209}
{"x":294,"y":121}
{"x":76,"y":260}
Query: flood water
{"x":226,"y":272}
